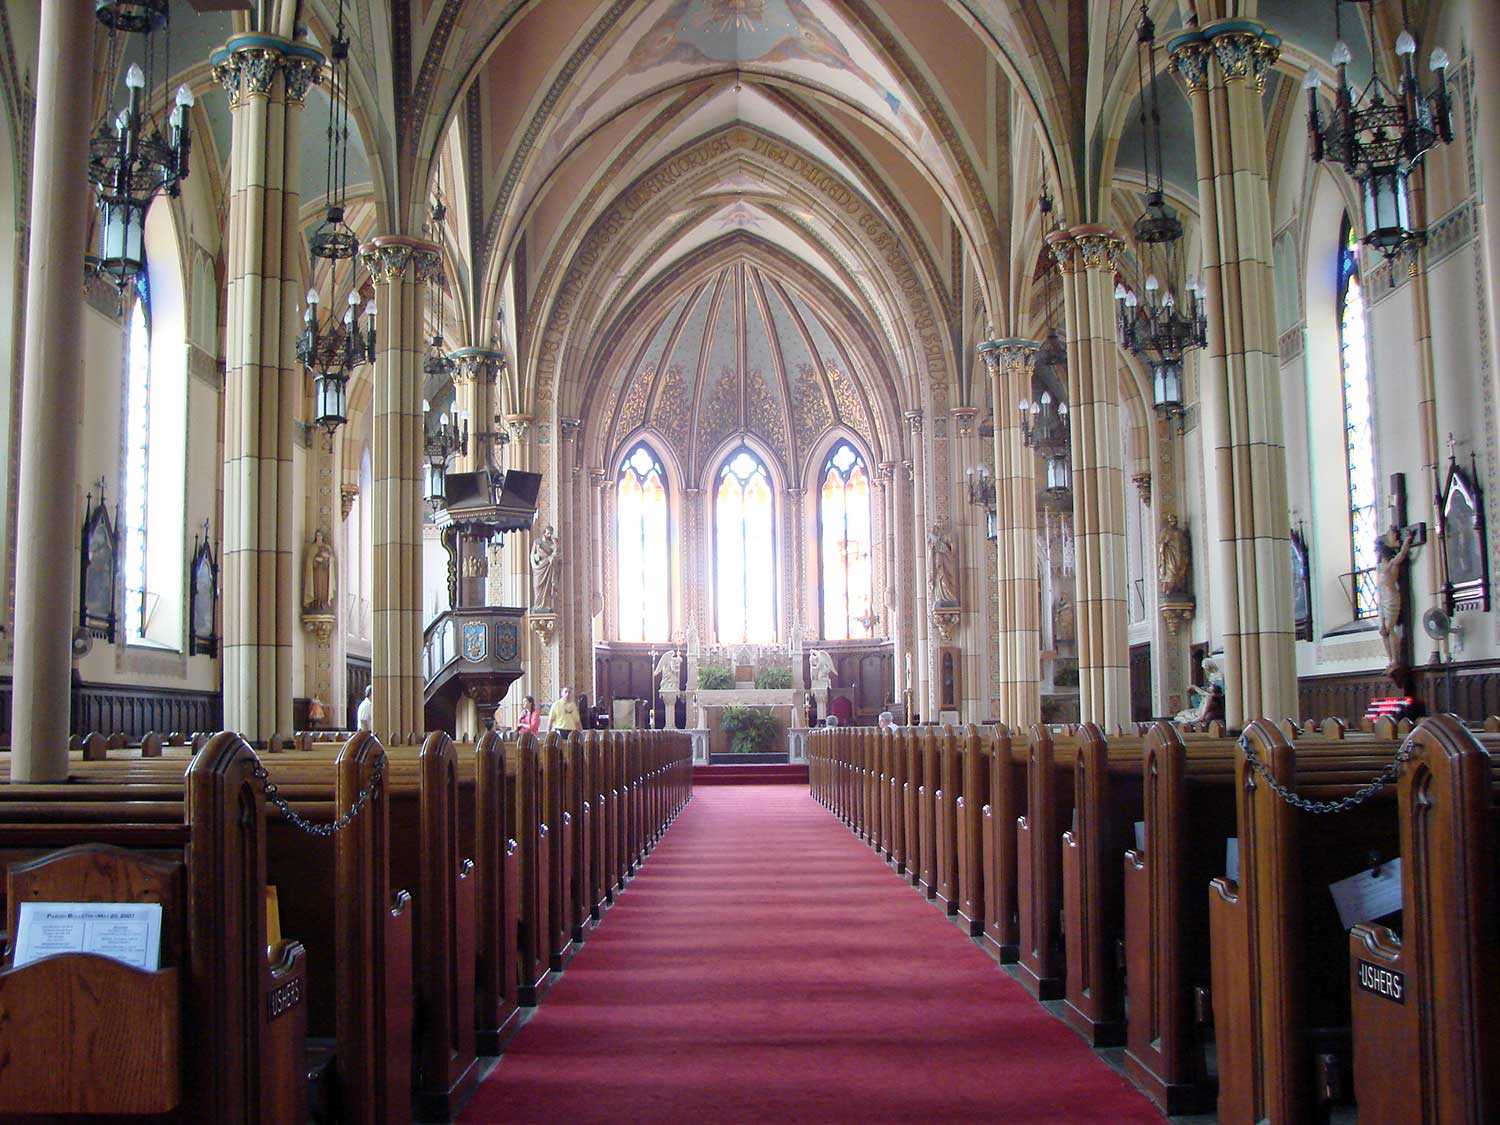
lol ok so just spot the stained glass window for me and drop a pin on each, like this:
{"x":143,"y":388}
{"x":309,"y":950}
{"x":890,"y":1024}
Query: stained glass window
{"x":153,"y":491}
{"x":137,"y":455}
{"x":745,"y":550}
{"x":844,"y":519}
{"x":1359,"y":425}
{"x":645,"y":570}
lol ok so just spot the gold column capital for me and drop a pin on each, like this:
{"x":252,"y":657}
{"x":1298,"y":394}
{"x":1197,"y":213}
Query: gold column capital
{"x":247,"y":65}
{"x":1010,"y":355}
{"x":1243,"y":48}
{"x":388,"y":257}
{"x":1097,"y":247}
{"x":471,"y":365}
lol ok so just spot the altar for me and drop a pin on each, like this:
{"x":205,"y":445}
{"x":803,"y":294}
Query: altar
{"x":767,"y":678}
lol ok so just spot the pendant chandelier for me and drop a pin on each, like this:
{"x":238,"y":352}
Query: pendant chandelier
{"x":1052,"y":353}
{"x":440,"y":445}
{"x":437,"y":364}
{"x":332,"y":348}
{"x":130,"y":158}
{"x":1160,"y":329}
{"x":1379,"y":134}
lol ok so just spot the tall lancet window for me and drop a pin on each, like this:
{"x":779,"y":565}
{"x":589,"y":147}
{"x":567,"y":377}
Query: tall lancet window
{"x":1359,"y":425}
{"x":155,"y":451}
{"x":844,"y":518}
{"x":745,"y":550}
{"x":645,"y":568}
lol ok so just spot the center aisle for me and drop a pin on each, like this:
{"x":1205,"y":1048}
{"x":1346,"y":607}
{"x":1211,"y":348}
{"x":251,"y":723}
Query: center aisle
{"x":767,"y":965}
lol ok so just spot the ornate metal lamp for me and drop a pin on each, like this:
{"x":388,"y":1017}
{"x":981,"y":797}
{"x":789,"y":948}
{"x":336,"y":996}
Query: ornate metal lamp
{"x":130,"y":158}
{"x":1160,"y":329}
{"x":437,"y":362}
{"x":1379,"y":134}
{"x":981,"y":488}
{"x":1044,"y":423}
{"x":332,"y":349}
{"x":440,"y":446}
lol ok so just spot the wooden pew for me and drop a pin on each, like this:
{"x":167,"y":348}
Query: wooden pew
{"x":1276,"y":1023}
{"x":240,"y":1034}
{"x":1426,"y":1003}
{"x":533,"y":953}
{"x":968,"y":809}
{"x":1049,"y":806}
{"x":497,"y":896}
{"x":1007,"y":802}
{"x":1106,"y":805}
{"x":945,"y":819}
{"x":929,"y":771}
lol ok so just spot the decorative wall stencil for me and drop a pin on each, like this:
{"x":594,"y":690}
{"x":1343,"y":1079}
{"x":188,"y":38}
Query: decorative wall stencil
{"x":719,"y":414}
{"x":851,"y":409}
{"x":810,"y":411}
{"x":764,"y":416}
{"x":672,"y":414}
{"x":633,"y":406}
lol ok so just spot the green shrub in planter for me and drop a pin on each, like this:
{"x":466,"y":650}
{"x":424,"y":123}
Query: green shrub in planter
{"x":773,"y":679}
{"x":715,"y":677}
{"x":749,"y":730}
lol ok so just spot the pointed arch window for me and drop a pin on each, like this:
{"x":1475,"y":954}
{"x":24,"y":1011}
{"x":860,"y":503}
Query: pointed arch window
{"x":153,"y":500}
{"x":1359,"y":424}
{"x":844,"y":520}
{"x":644,"y":569}
{"x":745,"y":550}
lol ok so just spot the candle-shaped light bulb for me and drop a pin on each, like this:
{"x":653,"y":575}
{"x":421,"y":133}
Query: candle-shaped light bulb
{"x":1405,"y":44}
{"x":1438,"y":61}
{"x":1312,"y":80}
{"x":1152,"y":285}
{"x":135,"y":77}
{"x":1341,"y":56}
{"x":185,"y":97}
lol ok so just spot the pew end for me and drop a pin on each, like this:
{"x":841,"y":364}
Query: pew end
{"x":84,"y":1034}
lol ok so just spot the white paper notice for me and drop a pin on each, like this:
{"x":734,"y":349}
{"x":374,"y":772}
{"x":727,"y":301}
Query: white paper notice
{"x":1140,"y":835}
{"x":125,"y":931}
{"x":1369,"y":895}
{"x":1232,"y":859}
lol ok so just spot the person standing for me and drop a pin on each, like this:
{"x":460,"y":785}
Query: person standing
{"x":531,"y":717}
{"x":365,"y":715}
{"x":564,"y":714}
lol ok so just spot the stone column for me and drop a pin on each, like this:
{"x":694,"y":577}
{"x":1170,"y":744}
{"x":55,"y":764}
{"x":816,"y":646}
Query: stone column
{"x":1223,"y":65}
{"x":1011,"y":363}
{"x":1086,"y":257}
{"x":921,"y":657}
{"x":267,"y":79}
{"x":474,"y":373}
{"x":598,"y":481}
{"x":46,"y":539}
{"x":802,"y":604}
{"x":400,"y":267}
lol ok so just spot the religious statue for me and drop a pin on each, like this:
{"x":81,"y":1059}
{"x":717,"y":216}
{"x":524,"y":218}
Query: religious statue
{"x":820,"y":667}
{"x":942,"y":576}
{"x":545,"y":557}
{"x":1064,"y":622}
{"x":319,"y":576}
{"x":669,"y":668}
{"x":1391,"y":552}
{"x":1172,"y":557}
{"x":1208,"y":700}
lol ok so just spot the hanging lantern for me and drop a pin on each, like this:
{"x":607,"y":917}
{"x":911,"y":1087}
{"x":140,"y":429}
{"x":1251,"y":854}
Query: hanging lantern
{"x":1166,"y":388}
{"x":129,"y":160}
{"x":439,"y":446}
{"x":1378,"y":135}
{"x":330,"y":407}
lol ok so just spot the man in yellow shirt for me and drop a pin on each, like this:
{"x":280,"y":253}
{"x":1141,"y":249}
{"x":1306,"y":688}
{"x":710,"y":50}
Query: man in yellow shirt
{"x":564,"y":714}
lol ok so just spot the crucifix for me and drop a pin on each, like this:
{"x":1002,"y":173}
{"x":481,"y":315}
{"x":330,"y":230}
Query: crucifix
{"x":1393,"y":582}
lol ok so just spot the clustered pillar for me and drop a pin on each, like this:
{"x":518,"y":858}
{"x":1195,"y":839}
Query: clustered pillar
{"x":1010,"y":363}
{"x":1223,"y":65}
{"x":1086,"y":257}
{"x":267,"y":79}
{"x":399,"y":266}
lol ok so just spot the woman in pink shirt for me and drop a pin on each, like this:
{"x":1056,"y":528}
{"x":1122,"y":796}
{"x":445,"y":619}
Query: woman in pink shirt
{"x":531,"y":718}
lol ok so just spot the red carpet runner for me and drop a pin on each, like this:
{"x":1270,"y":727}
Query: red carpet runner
{"x":766,"y":965}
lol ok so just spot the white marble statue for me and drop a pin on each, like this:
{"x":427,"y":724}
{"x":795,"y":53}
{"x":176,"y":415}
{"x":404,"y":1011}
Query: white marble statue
{"x":820,"y":667}
{"x":669,"y":668}
{"x":545,"y":558}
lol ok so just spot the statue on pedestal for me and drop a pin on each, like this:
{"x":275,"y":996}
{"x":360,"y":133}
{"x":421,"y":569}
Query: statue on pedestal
{"x":942,"y":573}
{"x":319,"y":576}
{"x":546,"y":557}
{"x":1173,"y":556}
{"x":669,"y":668}
{"x":820,"y":669}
